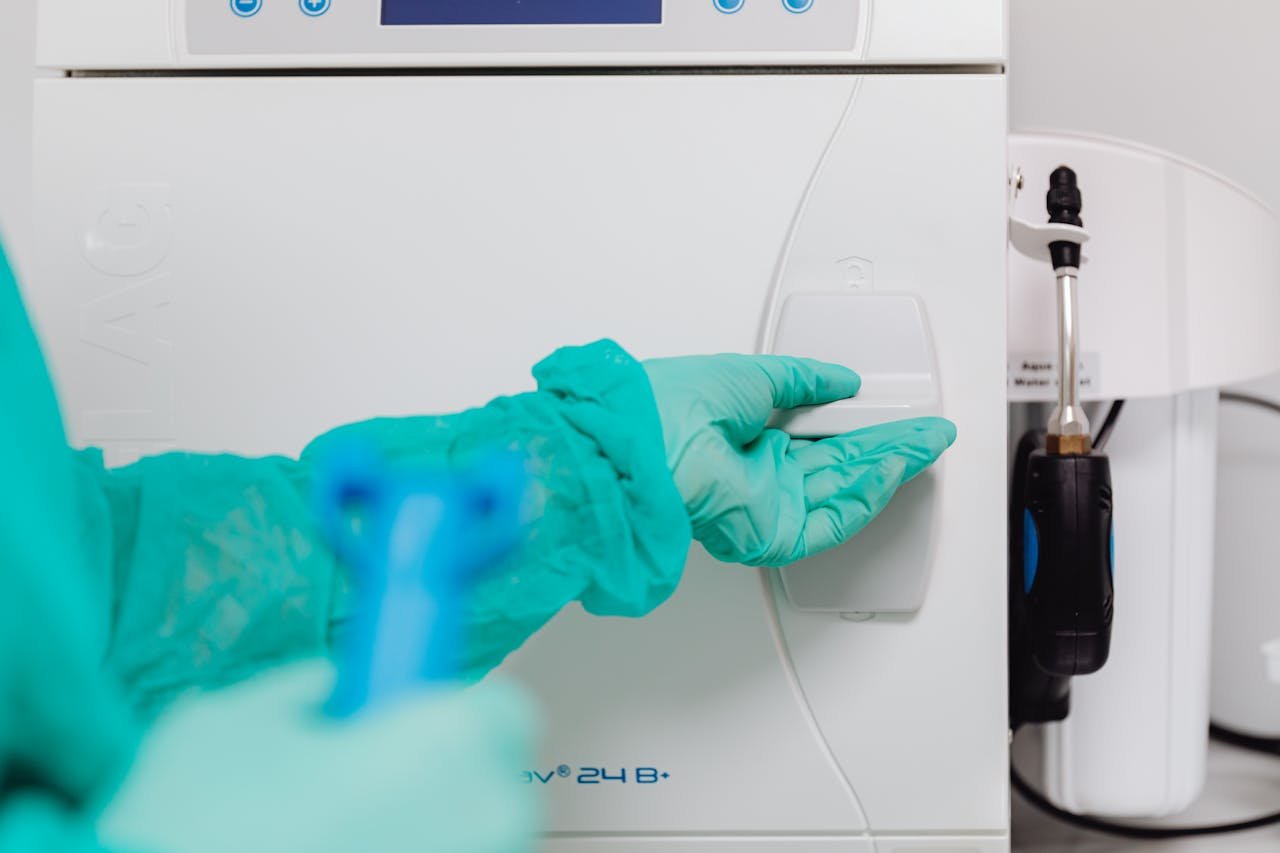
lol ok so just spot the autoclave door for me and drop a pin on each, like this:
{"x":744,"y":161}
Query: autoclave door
{"x":241,"y":263}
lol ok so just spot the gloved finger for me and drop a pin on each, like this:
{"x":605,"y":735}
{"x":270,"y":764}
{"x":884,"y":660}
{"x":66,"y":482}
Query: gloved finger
{"x":847,"y":512}
{"x":756,"y":509}
{"x":781,"y":382}
{"x":805,"y":381}
{"x":917,"y":454}
{"x":929,"y":436}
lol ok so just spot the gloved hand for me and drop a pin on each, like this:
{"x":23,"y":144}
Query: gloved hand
{"x":257,"y":768}
{"x":756,"y":495}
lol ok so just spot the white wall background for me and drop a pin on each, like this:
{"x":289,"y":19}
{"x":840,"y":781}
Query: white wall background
{"x":17,"y":55}
{"x":1200,"y":78}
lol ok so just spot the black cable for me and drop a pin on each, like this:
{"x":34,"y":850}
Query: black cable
{"x":1113,"y":413}
{"x":1249,"y":400}
{"x":1265,"y":745}
{"x":1147,"y":833}
{"x":1108,"y":424}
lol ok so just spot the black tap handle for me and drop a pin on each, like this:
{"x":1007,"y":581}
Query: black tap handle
{"x":1066,"y":561}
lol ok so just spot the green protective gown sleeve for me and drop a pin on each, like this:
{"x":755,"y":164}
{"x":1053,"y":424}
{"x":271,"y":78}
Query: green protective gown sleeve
{"x":65,"y":733}
{"x":217,"y":568}
{"x":31,"y":822}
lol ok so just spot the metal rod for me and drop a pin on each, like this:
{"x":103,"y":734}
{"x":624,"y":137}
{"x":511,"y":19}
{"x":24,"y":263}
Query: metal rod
{"x":1069,"y":420}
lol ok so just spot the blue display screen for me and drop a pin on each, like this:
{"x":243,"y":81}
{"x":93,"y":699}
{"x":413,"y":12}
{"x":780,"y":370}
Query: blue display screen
{"x":444,"y":12}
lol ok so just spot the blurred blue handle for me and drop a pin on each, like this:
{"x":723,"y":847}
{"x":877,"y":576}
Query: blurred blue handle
{"x":417,"y":542}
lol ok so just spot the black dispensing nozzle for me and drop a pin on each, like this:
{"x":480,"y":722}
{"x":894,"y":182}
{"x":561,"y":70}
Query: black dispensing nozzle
{"x":1064,"y":203}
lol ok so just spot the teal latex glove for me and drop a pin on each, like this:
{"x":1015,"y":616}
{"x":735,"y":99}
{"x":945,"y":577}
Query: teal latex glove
{"x":757,"y":496}
{"x":256,"y":767}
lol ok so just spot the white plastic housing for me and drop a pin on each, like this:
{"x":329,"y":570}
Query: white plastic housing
{"x":91,"y":34}
{"x":1135,"y":742}
{"x":1180,"y":290}
{"x":1246,"y":591}
{"x":230,"y":263}
{"x":1271,"y":653}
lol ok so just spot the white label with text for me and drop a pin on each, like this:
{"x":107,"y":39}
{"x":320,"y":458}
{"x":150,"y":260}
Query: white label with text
{"x":1033,"y":376}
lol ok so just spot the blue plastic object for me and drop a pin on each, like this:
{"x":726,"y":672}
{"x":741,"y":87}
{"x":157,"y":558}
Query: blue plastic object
{"x":1030,"y":551}
{"x":417,"y":542}
{"x":1111,"y":553}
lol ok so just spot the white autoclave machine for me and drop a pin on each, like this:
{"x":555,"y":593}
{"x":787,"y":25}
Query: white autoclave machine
{"x":259,"y":219}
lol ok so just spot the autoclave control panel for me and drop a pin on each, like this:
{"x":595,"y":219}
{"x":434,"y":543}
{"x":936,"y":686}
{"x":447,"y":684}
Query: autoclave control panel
{"x":519,"y":27}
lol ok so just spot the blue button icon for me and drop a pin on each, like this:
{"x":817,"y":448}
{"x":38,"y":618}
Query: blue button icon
{"x":728,"y":6}
{"x":797,"y":6}
{"x":246,"y":8}
{"x":314,"y":8}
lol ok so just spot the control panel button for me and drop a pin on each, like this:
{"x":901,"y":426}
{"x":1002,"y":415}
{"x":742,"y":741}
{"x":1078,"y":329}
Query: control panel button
{"x":246,"y":8}
{"x":797,"y":6}
{"x":314,"y":8}
{"x":728,"y":6}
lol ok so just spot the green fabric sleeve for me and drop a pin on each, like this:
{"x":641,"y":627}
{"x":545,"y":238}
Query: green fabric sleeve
{"x":65,"y":732}
{"x":30,"y":822}
{"x":218,"y":569}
